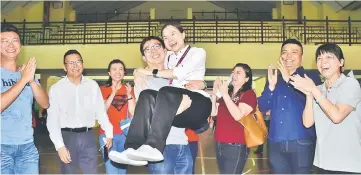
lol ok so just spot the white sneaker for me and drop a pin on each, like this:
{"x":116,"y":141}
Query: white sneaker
{"x":146,"y":153}
{"x":122,"y":157}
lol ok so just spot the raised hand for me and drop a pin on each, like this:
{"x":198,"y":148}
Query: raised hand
{"x":284,"y":71}
{"x":116,"y":87}
{"x":305,"y":85}
{"x":272,"y":78}
{"x":28,"y":70}
{"x":129,"y":89}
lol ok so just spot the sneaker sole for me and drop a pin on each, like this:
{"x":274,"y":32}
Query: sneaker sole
{"x":137,"y":157}
{"x":126,"y":161}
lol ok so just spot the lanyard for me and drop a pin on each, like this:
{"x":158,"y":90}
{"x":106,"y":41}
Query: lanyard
{"x":180,"y":60}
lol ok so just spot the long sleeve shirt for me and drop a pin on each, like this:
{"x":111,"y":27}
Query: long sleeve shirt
{"x":287,"y":105}
{"x":75,"y":106}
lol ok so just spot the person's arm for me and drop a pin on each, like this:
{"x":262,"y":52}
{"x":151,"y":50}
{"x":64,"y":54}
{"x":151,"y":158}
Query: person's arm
{"x":27,"y":75}
{"x":307,"y":116}
{"x":350,"y":96}
{"x":180,"y":73}
{"x":40,"y":95}
{"x":131,"y":101}
{"x":53,"y":119}
{"x":214,"y":105}
{"x":9,"y":96}
{"x":266,"y":100}
{"x":109,"y":101}
{"x":102,"y":116}
{"x":237,"y":111}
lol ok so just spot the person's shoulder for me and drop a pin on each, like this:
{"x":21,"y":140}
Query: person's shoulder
{"x":90,"y":81}
{"x":198,"y":50}
{"x":251,"y":92}
{"x":350,"y":82}
{"x":248,"y":93}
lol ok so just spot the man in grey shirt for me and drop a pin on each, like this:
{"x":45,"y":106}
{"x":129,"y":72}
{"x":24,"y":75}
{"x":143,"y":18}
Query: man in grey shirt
{"x":176,"y":152}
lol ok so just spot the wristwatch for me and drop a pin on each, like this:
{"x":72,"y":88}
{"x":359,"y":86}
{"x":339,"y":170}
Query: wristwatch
{"x":155,"y":72}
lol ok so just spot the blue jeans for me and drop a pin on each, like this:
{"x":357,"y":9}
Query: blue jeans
{"x":291,"y":157}
{"x":177,"y":160}
{"x":231,"y":157}
{"x":118,"y":145}
{"x":19,"y":159}
{"x":193,"y":146}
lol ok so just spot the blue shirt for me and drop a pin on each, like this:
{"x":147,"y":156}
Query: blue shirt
{"x":287,"y":105}
{"x":16,"y":119}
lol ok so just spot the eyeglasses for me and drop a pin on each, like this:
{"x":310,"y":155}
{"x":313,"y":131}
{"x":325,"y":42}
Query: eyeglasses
{"x":73,"y":63}
{"x":149,"y":49}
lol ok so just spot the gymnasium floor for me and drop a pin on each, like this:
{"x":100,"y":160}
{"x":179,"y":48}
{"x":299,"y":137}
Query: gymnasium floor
{"x":205,"y":164}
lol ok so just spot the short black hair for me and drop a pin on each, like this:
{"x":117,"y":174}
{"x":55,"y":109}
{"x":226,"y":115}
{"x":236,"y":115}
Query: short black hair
{"x":9,"y":28}
{"x":146,"y":39}
{"x":331,"y":48}
{"x":174,"y":24}
{"x":292,"y":41}
{"x":70,"y":52}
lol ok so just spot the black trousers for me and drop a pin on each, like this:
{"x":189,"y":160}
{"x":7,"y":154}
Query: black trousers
{"x":155,"y":114}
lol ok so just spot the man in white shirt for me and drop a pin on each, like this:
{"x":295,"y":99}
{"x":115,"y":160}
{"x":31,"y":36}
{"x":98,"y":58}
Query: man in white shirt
{"x":75,"y":103}
{"x":167,"y":112}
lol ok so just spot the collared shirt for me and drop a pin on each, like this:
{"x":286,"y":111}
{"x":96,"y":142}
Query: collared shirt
{"x":338,"y":146}
{"x":75,"y":106}
{"x":193,"y":66}
{"x":286,"y":105}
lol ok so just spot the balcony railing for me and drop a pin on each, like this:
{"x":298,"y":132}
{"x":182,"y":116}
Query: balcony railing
{"x":197,"y":31}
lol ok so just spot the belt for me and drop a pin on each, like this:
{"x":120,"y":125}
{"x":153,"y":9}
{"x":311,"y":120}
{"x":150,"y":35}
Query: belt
{"x":77,"y":130}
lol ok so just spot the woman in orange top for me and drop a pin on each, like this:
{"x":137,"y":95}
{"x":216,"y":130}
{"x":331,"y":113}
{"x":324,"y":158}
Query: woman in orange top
{"x":119,"y":102}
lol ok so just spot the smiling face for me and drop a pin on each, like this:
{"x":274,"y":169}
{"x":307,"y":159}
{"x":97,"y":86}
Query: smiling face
{"x":291,"y":56}
{"x":329,"y":65}
{"x":10,"y":45}
{"x":116,"y":72}
{"x":173,"y":38}
{"x":73,"y":65}
{"x":154,"y":53}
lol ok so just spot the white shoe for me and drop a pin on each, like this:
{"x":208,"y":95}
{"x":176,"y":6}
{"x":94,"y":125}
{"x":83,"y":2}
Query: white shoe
{"x":122,"y":157}
{"x":145,"y":153}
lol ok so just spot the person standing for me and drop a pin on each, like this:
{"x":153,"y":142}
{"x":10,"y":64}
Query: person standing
{"x":19,"y":87}
{"x":290,"y":144}
{"x":75,"y":103}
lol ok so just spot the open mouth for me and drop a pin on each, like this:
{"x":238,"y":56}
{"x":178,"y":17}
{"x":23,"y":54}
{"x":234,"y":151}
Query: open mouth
{"x":173,"y":44}
{"x":325,"y":68}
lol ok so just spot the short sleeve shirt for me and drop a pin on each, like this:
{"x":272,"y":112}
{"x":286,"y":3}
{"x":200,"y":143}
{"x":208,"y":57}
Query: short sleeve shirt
{"x":338,"y":146}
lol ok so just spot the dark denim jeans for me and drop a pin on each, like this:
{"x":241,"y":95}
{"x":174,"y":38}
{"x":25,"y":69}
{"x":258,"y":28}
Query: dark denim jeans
{"x":193,"y":146}
{"x":118,"y":145}
{"x":177,"y":160}
{"x":19,"y":159}
{"x":231,"y":158}
{"x":291,"y":157}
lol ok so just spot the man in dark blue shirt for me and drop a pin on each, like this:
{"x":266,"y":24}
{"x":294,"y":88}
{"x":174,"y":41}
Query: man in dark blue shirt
{"x":290,"y":144}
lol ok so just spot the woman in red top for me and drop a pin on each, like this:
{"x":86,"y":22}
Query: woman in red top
{"x":119,"y":102}
{"x":237,"y":100}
